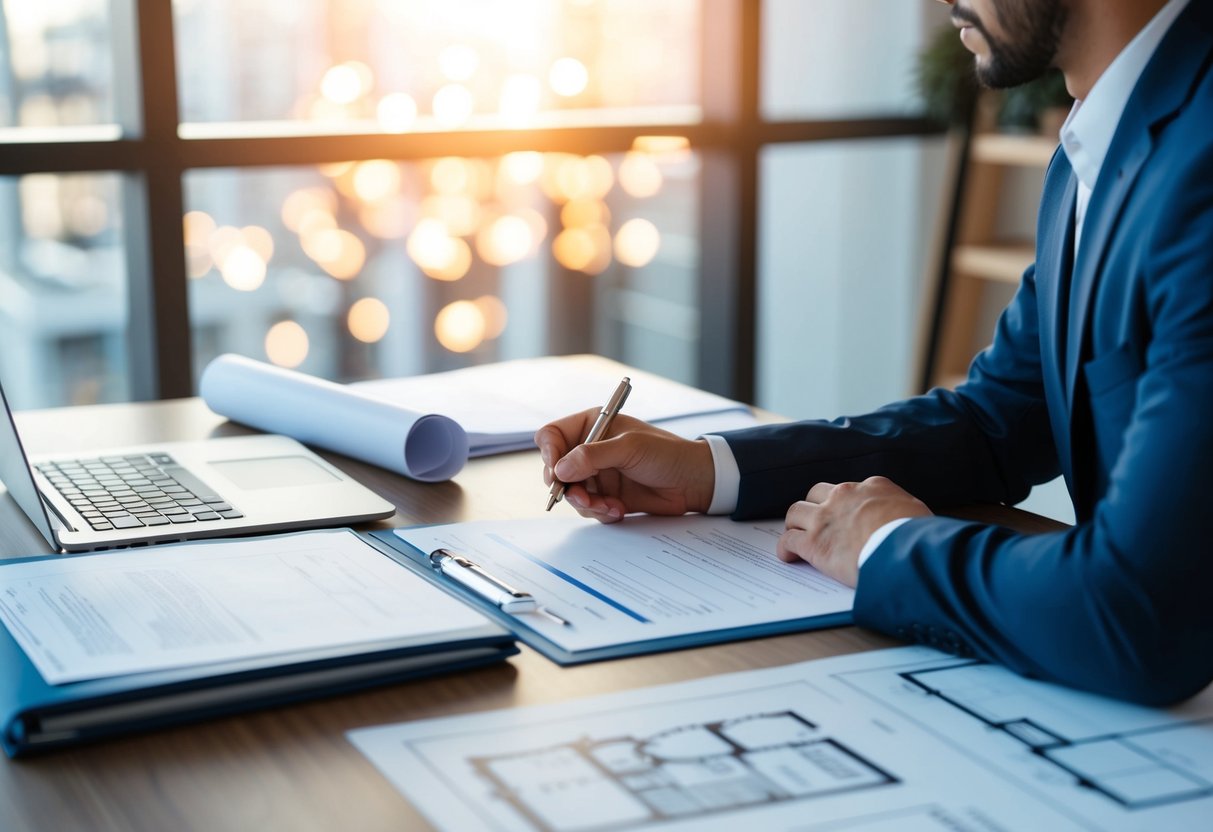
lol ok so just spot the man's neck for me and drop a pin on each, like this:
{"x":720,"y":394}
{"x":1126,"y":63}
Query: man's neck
{"x":1096,"y":32}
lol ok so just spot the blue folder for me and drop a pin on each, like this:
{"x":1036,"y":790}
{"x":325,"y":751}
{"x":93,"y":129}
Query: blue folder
{"x":36,"y":716}
{"x":420,"y":562}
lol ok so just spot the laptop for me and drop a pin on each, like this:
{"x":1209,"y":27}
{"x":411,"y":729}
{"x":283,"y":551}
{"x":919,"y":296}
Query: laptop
{"x":171,"y":491}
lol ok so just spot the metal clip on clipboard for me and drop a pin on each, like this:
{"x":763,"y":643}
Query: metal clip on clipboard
{"x":474,"y":577}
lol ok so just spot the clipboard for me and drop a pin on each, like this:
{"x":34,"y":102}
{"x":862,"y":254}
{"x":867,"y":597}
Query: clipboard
{"x":419,"y":561}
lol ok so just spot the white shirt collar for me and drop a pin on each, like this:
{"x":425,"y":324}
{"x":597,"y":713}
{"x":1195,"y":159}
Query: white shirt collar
{"x":1088,"y":130}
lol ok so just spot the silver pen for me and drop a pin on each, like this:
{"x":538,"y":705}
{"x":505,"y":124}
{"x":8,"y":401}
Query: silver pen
{"x":597,"y":431}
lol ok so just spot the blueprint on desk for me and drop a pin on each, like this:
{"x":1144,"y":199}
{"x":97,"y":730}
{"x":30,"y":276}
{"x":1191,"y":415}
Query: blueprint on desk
{"x":905,"y":739}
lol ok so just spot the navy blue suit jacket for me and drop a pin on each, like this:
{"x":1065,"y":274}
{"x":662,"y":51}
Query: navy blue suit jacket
{"x":1100,"y":370}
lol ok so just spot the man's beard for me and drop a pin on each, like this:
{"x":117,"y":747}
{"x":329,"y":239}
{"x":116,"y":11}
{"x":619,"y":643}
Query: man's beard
{"x":1032,"y":35}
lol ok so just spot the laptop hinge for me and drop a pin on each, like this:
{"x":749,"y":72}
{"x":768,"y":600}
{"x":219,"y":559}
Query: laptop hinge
{"x":58,"y":521}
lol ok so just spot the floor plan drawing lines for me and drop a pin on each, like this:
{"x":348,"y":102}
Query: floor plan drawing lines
{"x":677,"y":773}
{"x":902,"y":740}
{"x":1134,"y":764}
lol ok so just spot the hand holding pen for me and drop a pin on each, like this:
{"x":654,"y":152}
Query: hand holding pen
{"x":633,"y":467}
{"x":598,"y":430}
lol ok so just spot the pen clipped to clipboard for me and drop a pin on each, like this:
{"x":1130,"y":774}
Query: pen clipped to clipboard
{"x":477,"y":579}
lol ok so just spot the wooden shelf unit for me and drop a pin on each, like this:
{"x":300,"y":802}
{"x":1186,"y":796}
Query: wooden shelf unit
{"x":975,"y":257}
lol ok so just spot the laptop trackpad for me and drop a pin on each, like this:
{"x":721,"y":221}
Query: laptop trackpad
{"x":274,"y":472}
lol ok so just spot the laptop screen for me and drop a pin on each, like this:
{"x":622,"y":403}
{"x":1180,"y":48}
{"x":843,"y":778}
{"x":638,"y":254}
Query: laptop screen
{"x":15,"y":473}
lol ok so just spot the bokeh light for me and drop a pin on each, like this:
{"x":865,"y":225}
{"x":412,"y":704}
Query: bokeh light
{"x":337,"y":251}
{"x":460,"y":326}
{"x":334,"y":169}
{"x":397,"y":112}
{"x":578,"y":213}
{"x":460,"y":215}
{"x":586,"y":249}
{"x":451,"y":175}
{"x":389,"y":219}
{"x":222,"y":242}
{"x":670,"y":148}
{"x":243,"y":269}
{"x":539,"y":225}
{"x":639,"y":175}
{"x":346,"y":83}
{"x":505,"y":240}
{"x":197,"y":227}
{"x":259,"y":240}
{"x":317,"y":219}
{"x":568,"y":77}
{"x":368,"y":320}
{"x":568,"y":177}
{"x":637,"y":242}
{"x":496,"y":316}
{"x":286,"y":344}
{"x":303,"y":201}
{"x":376,"y":179}
{"x":522,"y":167}
{"x":436,"y":252}
{"x":456,"y":266}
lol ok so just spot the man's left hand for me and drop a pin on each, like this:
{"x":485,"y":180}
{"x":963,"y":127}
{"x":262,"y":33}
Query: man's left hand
{"x":830,"y":526}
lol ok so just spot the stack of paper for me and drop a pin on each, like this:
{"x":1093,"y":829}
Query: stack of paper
{"x":125,"y":641}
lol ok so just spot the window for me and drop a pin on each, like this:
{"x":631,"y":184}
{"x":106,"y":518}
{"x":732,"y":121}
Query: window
{"x":373,"y":188}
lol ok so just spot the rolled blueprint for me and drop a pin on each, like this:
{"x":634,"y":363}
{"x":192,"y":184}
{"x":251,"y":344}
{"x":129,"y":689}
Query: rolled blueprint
{"x":426,"y":447}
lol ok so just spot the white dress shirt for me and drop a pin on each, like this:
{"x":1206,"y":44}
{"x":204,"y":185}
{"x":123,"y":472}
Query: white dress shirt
{"x":1085,"y":138}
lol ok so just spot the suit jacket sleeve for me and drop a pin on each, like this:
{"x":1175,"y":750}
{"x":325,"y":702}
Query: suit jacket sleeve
{"x":1119,"y":604}
{"x":987,"y":441}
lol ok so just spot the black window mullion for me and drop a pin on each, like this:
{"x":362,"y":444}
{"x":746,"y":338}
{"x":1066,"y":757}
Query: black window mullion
{"x":158,"y":333}
{"x":728,"y":200}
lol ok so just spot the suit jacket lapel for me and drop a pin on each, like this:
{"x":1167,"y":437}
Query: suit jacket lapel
{"x":1115,"y":180}
{"x":1163,"y":89}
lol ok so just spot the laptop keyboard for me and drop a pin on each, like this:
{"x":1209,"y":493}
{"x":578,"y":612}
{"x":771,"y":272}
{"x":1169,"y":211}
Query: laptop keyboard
{"x":126,"y":492}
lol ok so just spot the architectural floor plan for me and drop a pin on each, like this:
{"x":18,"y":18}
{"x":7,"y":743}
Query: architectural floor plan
{"x":904,"y":739}
{"x":681,"y":772}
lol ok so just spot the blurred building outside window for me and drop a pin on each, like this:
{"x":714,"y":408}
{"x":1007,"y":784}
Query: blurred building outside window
{"x":369,"y":267}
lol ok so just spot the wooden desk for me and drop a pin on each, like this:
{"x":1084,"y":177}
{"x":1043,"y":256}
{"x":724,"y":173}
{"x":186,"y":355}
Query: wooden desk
{"x":292,"y":768}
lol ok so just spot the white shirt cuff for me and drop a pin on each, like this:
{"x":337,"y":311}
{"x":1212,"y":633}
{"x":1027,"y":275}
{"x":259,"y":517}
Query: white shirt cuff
{"x":728,"y":476}
{"x":878,"y":537}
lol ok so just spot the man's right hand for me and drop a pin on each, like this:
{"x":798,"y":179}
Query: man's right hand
{"x":638,"y":467}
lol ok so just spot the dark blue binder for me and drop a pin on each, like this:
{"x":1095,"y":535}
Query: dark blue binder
{"x":36,"y":716}
{"x":419,"y":562}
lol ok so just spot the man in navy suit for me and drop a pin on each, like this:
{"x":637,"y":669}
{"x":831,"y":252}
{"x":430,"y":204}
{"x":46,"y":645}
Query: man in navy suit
{"x":1101,"y":370}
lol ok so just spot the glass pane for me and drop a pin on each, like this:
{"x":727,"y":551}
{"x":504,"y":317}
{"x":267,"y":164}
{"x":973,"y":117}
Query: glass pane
{"x":379,"y":268}
{"x":437,"y":64}
{"x":846,"y":230}
{"x":63,"y":290}
{"x":55,"y":64}
{"x":843,"y":58}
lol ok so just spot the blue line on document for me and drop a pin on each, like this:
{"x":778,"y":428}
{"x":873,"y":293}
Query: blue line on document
{"x":567,"y":577}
